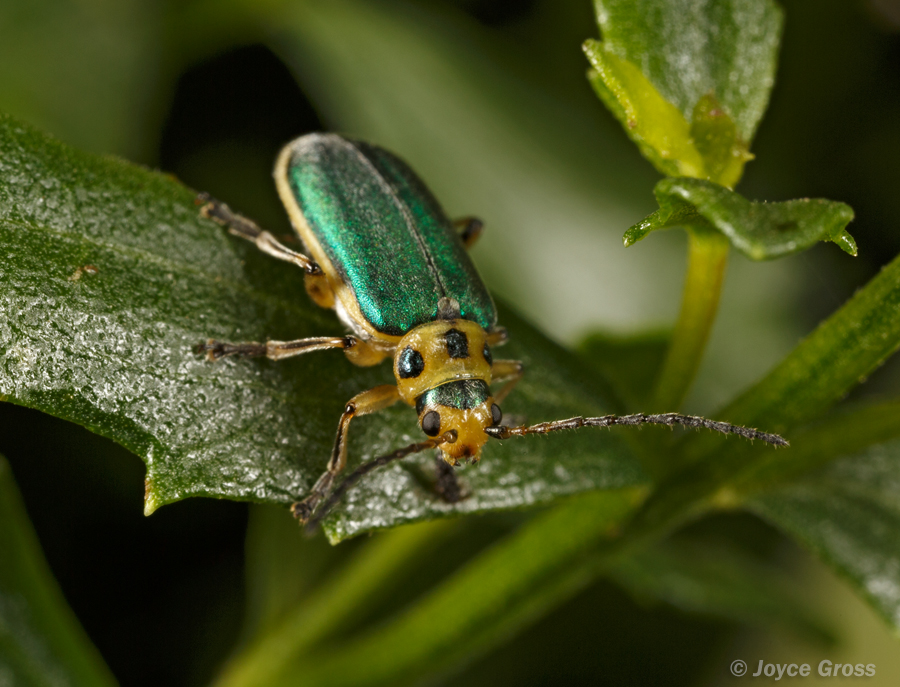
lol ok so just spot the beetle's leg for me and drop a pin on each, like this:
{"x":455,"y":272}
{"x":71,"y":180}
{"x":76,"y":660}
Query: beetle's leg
{"x":497,"y":336}
{"x":275,"y":350}
{"x":446,"y":485}
{"x":508,"y":371}
{"x":370,"y":401}
{"x":470,"y":228}
{"x":317,"y":285}
{"x":359,"y":352}
{"x":248,"y":229}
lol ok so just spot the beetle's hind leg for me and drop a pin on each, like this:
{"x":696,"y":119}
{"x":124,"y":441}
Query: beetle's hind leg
{"x":370,"y":401}
{"x":470,"y":230}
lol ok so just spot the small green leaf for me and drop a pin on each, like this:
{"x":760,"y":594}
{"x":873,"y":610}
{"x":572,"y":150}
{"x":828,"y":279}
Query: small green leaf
{"x":849,"y":514}
{"x":716,"y":139}
{"x":657,"y":127}
{"x":689,"y":83}
{"x":720,"y":583}
{"x":41,"y":641}
{"x":687,"y":50}
{"x":110,"y":278}
{"x":761,"y":231}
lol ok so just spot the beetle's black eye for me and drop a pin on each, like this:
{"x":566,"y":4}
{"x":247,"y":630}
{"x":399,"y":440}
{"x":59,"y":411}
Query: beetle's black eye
{"x":496,"y":414}
{"x":457,"y":344}
{"x":431,"y":423}
{"x":410,"y":363}
{"x":487,"y":355}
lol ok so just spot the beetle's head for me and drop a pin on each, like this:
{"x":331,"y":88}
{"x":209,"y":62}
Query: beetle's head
{"x":466,"y":406}
{"x":443,"y":368}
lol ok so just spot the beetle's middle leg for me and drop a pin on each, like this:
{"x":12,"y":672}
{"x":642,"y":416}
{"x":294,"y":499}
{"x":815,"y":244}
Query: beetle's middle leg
{"x":358,"y":351}
{"x":274,"y":350}
{"x":367,"y":402}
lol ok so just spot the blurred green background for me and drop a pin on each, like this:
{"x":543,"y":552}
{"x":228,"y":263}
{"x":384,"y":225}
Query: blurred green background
{"x":487,"y":100}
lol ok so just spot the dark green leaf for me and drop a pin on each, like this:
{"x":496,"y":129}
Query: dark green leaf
{"x":837,"y":356}
{"x":761,"y":231}
{"x":838,"y":434}
{"x":849,"y":514}
{"x":110,"y":278}
{"x":720,"y":583}
{"x":688,"y":82}
{"x":842,"y":352}
{"x":41,"y":642}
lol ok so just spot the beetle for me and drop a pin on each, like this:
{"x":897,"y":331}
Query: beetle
{"x":382,"y":253}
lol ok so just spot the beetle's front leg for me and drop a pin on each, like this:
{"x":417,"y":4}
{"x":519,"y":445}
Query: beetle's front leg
{"x":370,"y":401}
{"x":446,"y":485}
{"x":508,"y":371}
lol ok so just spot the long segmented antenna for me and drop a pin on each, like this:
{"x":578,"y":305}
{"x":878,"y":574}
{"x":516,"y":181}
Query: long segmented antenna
{"x":339,"y":491}
{"x":669,"y":419}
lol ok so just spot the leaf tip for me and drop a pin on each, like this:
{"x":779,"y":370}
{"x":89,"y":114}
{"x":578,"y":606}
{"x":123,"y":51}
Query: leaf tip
{"x":151,"y":500}
{"x":847,"y":243}
{"x":636,"y":233}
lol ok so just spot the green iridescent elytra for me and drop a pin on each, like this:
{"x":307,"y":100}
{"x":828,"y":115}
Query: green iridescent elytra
{"x":384,"y":234}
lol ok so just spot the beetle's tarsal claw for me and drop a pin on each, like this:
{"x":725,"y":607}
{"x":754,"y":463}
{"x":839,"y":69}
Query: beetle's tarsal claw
{"x":212,"y":349}
{"x":302,"y":511}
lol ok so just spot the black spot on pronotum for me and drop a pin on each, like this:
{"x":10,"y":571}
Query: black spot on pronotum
{"x":496,"y":414}
{"x":457,"y":344}
{"x":486,"y":352}
{"x":410,"y":363}
{"x":431,"y":423}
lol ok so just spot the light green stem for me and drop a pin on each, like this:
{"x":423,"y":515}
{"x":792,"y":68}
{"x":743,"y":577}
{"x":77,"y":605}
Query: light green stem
{"x":332,"y":605}
{"x":518,"y":578}
{"x":707,"y":258}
